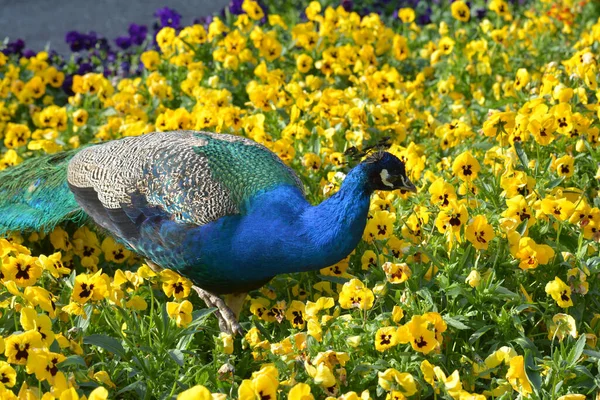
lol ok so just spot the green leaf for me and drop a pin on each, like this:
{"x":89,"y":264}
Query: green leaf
{"x":177,"y":356}
{"x":105,"y":342}
{"x":73,"y":360}
{"x":479,"y":333}
{"x":554,"y":183}
{"x":592,"y":353}
{"x":108,"y":112}
{"x":333,"y":279}
{"x":577,"y":350}
{"x":531,"y":370}
{"x":139,"y":387}
{"x":455,"y":323}
{"x":522,"y":155}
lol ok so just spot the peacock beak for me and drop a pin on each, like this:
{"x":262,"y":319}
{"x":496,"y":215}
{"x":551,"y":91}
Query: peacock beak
{"x":404,"y":183}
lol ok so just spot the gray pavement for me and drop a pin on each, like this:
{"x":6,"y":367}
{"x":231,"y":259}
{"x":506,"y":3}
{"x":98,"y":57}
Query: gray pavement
{"x":45,"y":22}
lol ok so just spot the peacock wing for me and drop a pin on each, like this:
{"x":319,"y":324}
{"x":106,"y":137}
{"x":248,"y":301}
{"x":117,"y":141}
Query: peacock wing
{"x":189,"y":177}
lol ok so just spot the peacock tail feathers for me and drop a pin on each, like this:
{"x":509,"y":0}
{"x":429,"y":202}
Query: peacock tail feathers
{"x":34,"y":195}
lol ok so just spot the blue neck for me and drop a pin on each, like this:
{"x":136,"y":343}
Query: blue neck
{"x":336,"y":225}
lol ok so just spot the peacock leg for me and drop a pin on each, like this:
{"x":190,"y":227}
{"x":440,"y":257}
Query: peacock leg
{"x":235,"y":302}
{"x":224,"y":314}
{"x":227,"y":318}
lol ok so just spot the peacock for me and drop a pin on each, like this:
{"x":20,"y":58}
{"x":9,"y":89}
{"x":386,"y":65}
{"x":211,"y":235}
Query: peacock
{"x":220,"y":209}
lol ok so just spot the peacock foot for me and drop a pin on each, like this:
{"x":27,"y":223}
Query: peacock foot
{"x":228,"y":322}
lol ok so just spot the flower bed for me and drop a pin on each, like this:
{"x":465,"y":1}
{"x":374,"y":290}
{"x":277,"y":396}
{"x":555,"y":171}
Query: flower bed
{"x":484,"y":284}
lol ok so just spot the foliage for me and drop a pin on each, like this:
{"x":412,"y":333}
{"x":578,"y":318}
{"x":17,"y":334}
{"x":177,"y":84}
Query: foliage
{"x":484,"y":284}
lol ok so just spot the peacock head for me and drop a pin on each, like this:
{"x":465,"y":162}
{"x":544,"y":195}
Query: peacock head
{"x":387,"y":172}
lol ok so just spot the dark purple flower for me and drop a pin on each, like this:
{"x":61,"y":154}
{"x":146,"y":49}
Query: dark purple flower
{"x":123,"y":42}
{"x":84,"y":68}
{"x":168,"y":17}
{"x":235,"y":7}
{"x":90,"y":40}
{"x":75,"y":40}
{"x":29,"y":53}
{"x":204,"y":21}
{"x":138,"y":33}
{"x":15,"y":47}
{"x":424,"y":18}
{"x":67,"y":85}
{"x":347,"y":4}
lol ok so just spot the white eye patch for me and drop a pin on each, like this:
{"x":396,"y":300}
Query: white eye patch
{"x":384,"y":174}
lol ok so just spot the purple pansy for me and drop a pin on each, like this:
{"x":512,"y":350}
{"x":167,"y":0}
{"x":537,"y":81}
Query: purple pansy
{"x":168,"y":17}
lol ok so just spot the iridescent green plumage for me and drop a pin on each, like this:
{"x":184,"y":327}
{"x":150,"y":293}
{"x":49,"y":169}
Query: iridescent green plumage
{"x":244,"y":170}
{"x":34,"y":194}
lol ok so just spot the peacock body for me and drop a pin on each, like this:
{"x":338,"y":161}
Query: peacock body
{"x":220,"y":209}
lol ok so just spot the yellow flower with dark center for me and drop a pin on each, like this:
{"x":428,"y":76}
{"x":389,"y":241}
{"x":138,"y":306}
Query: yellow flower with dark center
{"x":396,"y":272}
{"x":466,"y":167}
{"x":521,"y":79}
{"x":380,"y":226}
{"x":516,"y":183}
{"x":400,"y":47}
{"x":479,"y":232}
{"x":80,"y":117}
{"x":560,"y":292}
{"x":150,"y":59}
{"x":18,"y":347}
{"x":442,"y":193}
{"x":392,"y":379}
{"x":446,"y":45}
{"x":519,"y":209}
{"x":370,"y":260}
{"x":437,"y":323}
{"x":23,"y":269}
{"x":253,"y":10}
{"x":517,"y":377}
{"x":180,"y":312}
{"x":114,"y":252}
{"x":8,"y":375}
{"x":16,"y":135}
{"x":296,"y":314}
{"x":174,"y":284}
{"x":40,"y":297}
{"x":385,"y":338}
{"x":263,"y":385}
{"x":564,"y":120}
{"x":355,"y":294}
{"x":501,"y":8}
{"x":54,"y":265}
{"x":561,"y":209}
{"x":396,"y":247}
{"x":565,"y":166}
{"x":87,"y":247}
{"x":30,"y":320}
{"x":406,"y":15}
{"x":53,"y":77}
{"x":460,"y":10}
{"x":532,"y":254}
{"x":45,"y":364}
{"x":452,"y":218}
{"x":304,"y":63}
{"x":90,"y":287}
{"x":417,"y":333}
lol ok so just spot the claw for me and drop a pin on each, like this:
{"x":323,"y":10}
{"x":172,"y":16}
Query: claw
{"x":228,"y":322}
